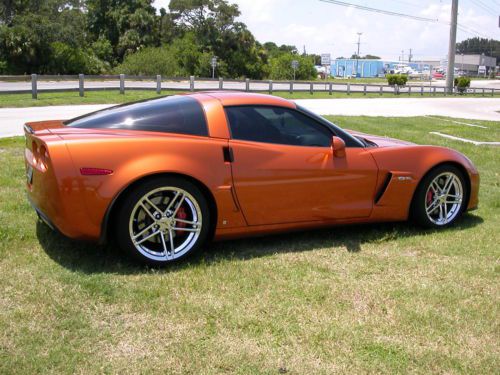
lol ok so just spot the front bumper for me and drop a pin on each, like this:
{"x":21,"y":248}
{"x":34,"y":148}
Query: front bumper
{"x":474,"y":191}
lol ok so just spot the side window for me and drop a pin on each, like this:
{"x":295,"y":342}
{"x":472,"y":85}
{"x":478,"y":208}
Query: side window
{"x":174,"y":114}
{"x":276,"y":125}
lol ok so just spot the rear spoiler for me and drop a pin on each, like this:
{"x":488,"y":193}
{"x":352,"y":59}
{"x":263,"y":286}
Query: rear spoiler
{"x":33,"y":127}
{"x":28,"y":129}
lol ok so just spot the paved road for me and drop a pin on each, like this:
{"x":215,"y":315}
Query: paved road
{"x":468,"y":108}
{"x":12,"y":119}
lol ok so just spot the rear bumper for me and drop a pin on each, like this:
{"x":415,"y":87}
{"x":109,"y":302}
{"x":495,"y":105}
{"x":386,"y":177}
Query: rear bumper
{"x":42,"y":216}
{"x":53,"y":215}
{"x":55,"y":190}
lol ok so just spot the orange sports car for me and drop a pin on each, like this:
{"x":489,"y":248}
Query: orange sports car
{"x":165,"y":175}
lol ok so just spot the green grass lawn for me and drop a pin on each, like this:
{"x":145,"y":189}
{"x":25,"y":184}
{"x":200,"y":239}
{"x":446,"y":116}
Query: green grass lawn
{"x":382,"y":298}
{"x":111,"y":97}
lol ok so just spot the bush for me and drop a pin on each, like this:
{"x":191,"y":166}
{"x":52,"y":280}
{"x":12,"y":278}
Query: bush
{"x":182,"y":58}
{"x":280,"y":67}
{"x":66,"y":59}
{"x":462,"y":83}
{"x":397,"y":79}
{"x":150,"y":61}
{"x":3,"y":67}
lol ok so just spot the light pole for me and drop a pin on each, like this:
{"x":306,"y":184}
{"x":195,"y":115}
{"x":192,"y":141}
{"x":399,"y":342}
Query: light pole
{"x":483,"y":62}
{"x":357,"y":56}
{"x":452,"y":47}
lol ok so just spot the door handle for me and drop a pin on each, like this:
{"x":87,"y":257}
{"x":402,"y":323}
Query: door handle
{"x":227,"y":153}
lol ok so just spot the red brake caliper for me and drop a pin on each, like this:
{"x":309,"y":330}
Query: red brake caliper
{"x":181,"y":214}
{"x":429,"y":197}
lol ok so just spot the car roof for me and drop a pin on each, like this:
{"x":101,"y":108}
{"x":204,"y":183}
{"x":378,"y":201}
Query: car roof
{"x":231,"y":98}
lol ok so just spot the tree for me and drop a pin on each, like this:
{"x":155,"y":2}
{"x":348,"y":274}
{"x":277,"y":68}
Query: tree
{"x":96,"y":36}
{"x":367,"y":57}
{"x":29,"y":29}
{"x":490,"y":47}
{"x":128,"y":25}
{"x":213,"y":22}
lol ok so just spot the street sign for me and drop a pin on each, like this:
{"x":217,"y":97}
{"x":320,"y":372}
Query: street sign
{"x":295,"y":66}
{"x":213,"y":63}
{"x":326,"y":59}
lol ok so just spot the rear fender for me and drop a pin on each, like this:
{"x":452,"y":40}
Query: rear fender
{"x":133,"y":159}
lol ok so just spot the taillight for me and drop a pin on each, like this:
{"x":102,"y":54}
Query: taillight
{"x":34,"y":149}
{"x":40,"y":156}
{"x":43,"y":158}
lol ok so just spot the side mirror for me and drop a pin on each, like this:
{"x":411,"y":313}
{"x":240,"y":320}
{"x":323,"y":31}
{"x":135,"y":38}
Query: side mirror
{"x":338,"y":147}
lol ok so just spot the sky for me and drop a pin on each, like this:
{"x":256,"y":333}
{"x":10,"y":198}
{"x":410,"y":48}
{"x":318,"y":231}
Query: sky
{"x":327,"y":28}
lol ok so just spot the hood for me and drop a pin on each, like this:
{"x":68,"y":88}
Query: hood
{"x":379,"y":140}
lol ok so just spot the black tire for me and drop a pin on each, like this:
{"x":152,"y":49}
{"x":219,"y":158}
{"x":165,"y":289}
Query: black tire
{"x":163,"y":190}
{"x":425,"y":197}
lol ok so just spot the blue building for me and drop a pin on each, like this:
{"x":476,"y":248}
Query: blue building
{"x":367,"y":68}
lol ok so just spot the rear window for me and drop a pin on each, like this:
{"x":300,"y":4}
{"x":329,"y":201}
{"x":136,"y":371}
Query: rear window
{"x":173,"y":114}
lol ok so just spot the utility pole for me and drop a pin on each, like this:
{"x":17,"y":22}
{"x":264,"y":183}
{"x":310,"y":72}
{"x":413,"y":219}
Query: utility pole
{"x":410,"y":56}
{"x":359,"y":41}
{"x":357,"y":56}
{"x":452,"y":47}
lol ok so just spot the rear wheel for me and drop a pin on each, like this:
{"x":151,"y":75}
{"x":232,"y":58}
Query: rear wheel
{"x":440,"y":198}
{"x":163,"y":220}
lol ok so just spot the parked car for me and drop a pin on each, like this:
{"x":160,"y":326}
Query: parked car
{"x":438,"y":75}
{"x":402,"y":69}
{"x":164,"y":176}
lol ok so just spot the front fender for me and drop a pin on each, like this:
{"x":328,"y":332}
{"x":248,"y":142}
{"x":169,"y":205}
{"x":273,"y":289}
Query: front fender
{"x":407,"y":166}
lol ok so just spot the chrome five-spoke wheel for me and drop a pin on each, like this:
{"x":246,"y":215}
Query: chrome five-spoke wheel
{"x":444,"y":198}
{"x":441,"y":197}
{"x":166,"y":220}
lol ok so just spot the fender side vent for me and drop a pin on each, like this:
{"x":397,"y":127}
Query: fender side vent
{"x":383,"y":188}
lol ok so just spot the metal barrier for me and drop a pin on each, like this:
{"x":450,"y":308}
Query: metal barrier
{"x":83,"y":83}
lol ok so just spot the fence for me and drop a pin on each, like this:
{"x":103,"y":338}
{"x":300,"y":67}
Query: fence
{"x":82,"y":83}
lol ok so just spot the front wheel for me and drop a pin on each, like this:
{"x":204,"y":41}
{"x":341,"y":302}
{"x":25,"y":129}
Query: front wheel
{"x":440,"y":198}
{"x":163,"y":220}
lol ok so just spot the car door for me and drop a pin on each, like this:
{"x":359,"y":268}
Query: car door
{"x":284,"y":170}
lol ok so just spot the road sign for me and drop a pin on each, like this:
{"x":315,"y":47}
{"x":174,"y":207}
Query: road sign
{"x":295,"y":66}
{"x":213,"y":62}
{"x":326,"y":59}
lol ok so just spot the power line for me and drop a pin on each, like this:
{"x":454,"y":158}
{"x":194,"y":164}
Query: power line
{"x":376,"y":10}
{"x":407,"y":3}
{"x":472,"y":31}
{"x":483,"y":5}
{"x":463,"y":28}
